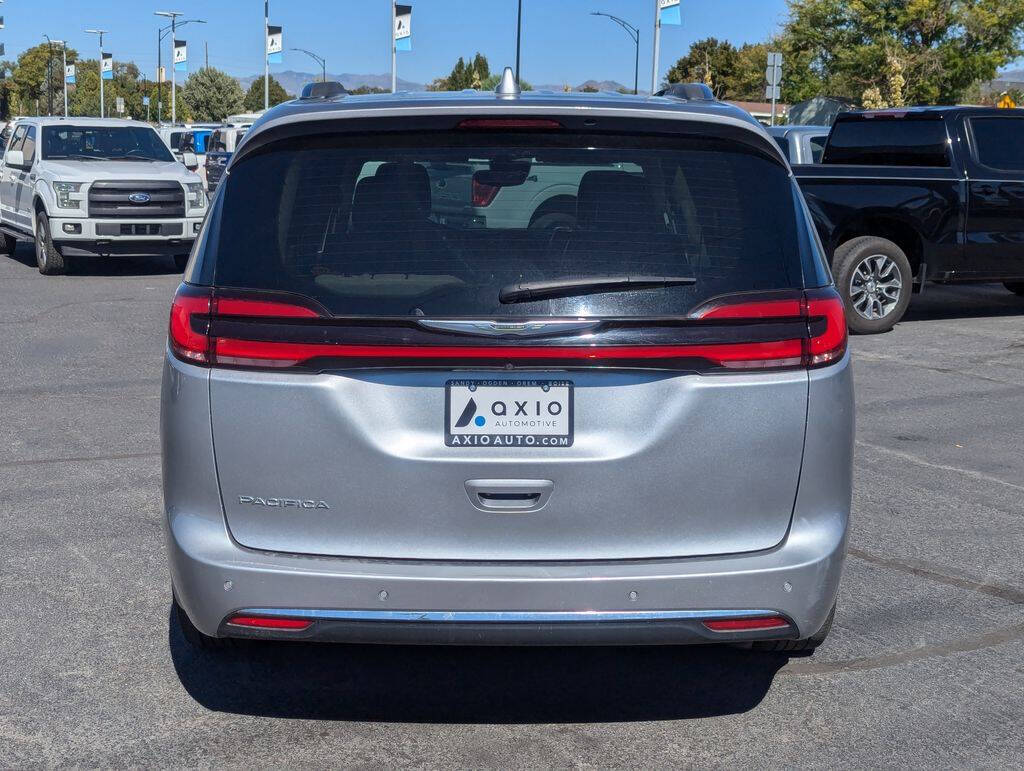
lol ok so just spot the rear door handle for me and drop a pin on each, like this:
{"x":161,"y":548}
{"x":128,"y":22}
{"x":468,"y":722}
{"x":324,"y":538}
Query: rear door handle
{"x":509,"y":496}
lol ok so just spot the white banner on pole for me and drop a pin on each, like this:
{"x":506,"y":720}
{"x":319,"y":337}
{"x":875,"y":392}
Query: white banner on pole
{"x":403,"y":27}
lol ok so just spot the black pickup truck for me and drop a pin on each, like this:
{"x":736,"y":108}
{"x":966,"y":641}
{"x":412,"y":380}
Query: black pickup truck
{"x":903,"y":197}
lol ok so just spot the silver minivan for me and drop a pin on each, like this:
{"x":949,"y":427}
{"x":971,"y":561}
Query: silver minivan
{"x":381,"y":425}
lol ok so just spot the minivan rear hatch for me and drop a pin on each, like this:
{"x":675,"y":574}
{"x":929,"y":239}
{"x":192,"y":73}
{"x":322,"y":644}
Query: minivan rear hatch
{"x":391,"y":383}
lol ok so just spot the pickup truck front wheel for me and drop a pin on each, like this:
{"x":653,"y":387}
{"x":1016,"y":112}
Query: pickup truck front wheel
{"x":48,"y":256}
{"x":874,"y":277}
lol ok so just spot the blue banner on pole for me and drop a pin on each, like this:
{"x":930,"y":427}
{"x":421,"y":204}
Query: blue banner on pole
{"x":69,"y":74}
{"x":670,"y":13}
{"x":107,"y":66}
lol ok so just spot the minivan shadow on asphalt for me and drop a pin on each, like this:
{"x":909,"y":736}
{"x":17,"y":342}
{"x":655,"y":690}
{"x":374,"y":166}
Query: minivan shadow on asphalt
{"x":414,"y":684}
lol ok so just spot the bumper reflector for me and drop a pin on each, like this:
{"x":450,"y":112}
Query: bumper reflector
{"x":745,"y":624}
{"x":270,"y":622}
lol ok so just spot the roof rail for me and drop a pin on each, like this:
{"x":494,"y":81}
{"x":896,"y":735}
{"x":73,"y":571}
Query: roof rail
{"x":323,"y":90}
{"x":690,"y":91}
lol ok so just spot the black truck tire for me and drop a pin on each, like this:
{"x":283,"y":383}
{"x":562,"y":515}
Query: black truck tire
{"x":48,"y":257}
{"x":874,"y":279}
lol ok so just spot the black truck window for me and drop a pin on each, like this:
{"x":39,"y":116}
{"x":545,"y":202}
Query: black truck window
{"x":888,"y":141}
{"x":997,"y":142}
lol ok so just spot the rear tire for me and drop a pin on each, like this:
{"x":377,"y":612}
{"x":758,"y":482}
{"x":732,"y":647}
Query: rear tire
{"x":7,"y":244}
{"x":180,"y":261}
{"x":1017,"y":287}
{"x":48,"y":257}
{"x":874,"y":278}
{"x":194,"y":637}
{"x":796,"y":646}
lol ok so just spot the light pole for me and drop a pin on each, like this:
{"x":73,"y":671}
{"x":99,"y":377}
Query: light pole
{"x":634,"y":33}
{"x":101,"y":33}
{"x":64,"y":46}
{"x":49,"y":74}
{"x":266,"y":59}
{"x":173,"y":16}
{"x":319,"y":60}
{"x":160,"y":35}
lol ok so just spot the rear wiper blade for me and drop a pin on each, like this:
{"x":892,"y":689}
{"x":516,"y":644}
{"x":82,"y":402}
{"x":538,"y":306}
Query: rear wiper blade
{"x":527,"y":291}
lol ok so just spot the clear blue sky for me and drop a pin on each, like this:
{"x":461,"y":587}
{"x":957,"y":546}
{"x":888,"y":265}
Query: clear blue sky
{"x":561,"y":42}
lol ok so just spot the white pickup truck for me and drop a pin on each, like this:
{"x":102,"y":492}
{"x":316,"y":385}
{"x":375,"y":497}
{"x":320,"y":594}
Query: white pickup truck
{"x":103,"y":187}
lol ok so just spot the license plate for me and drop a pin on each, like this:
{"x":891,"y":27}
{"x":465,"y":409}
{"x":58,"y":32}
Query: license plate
{"x":508,"y":413}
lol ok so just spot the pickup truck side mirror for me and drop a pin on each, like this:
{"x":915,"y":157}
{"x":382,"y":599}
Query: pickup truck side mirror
{"x":190,"y":161}
{"x":15,"y":158}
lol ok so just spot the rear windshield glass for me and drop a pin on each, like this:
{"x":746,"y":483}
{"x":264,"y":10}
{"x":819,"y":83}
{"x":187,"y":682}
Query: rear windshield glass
{"x":438,"y":224}
{"x":889,"y":142}
{"x":104,"y":143}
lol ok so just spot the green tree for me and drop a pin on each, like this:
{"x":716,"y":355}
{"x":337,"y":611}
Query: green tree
{"x":476,"y":74}
{"x":84,"y":96}
{"x":254,"y":96}
{"x":369,"y":90}
{"x":896,"y":52}
{"x":710,"y":61}
{"x":212,"y":95}
{"x":32,"y":80}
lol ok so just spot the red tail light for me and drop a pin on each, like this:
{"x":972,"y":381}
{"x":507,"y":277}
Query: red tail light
{"x":745,"y":624}
{"x":483,"y":193}
{"x":821,"y":308}
{"x":190,"y":319}
{"x":270,"y":622}
{"x":809,"y":329}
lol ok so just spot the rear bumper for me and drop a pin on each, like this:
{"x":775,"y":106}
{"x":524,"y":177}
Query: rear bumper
{"x":656,"y":601}
{"x":355,"y":600}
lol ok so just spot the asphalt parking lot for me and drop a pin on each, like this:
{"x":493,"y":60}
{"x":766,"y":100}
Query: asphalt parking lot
{"x":924,"y":666}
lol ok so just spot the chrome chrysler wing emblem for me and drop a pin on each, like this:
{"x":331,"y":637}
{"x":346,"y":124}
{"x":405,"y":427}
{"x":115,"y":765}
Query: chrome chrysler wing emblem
{"x":517,"y":328}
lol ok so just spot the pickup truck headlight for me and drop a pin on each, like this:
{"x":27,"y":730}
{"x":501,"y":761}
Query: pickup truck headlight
{"x":64,"y":192}
{"x":196,"y":195}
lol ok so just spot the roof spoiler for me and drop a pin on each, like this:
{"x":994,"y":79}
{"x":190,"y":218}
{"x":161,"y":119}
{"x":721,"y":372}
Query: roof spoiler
{"x":323,"y":90}
{"x":692,"y":92}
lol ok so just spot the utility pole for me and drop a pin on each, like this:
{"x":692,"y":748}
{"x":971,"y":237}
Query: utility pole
{"x":206,"y":46}
{"x":101,"y":33}
{"x":394,"y":49}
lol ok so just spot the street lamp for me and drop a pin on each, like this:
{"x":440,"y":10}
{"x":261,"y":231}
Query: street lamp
{"x":173,"y":16}
{"x":101,"y":33}
{"x":634,"y":33}
{"x":319,"y":60}
{"x":160,"y":35}
{"x":64,"y":45}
